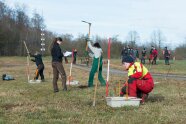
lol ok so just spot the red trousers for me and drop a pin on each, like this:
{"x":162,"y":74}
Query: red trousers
{"x":144,"y":86}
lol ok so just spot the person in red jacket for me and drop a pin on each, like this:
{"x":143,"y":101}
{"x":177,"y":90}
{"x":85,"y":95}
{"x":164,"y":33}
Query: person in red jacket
{"x":151,"y":55}
{"x":155,"y":55}
{"x":140,"y":81}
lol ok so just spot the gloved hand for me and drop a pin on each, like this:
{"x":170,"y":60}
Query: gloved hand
{"x":123,"y":90}
{"x":131,"y":79}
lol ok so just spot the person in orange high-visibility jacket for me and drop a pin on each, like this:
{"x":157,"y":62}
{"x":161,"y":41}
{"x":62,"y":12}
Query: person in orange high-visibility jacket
{"x":140,"y":81}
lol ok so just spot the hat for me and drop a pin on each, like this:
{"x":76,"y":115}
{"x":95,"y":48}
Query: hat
{"x":127,"y":59}
{"x":60,"y":39}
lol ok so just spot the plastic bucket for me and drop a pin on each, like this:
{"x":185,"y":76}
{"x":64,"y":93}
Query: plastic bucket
{"x":122,"y":101}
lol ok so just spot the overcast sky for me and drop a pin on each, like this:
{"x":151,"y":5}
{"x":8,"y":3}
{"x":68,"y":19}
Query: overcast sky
{"x":112,"y":17}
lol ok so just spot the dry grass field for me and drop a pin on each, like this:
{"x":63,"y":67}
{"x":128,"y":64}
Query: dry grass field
{"x":25,"y":103}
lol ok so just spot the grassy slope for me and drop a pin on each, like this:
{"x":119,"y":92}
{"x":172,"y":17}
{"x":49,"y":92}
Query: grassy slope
{"x":21,"y":102}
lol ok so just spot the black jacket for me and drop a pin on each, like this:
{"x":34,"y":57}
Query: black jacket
{"x":56,"y":53}
{"x":38,"y":59}
{"x":124,"y":52}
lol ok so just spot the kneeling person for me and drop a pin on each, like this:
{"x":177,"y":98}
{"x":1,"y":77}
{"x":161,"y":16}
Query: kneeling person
{"x":140,"y":81}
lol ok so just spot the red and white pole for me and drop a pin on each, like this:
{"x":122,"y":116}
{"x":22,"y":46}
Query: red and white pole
{"x":108,"y":67}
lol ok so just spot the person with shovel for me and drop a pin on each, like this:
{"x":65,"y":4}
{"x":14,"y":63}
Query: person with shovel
{"x":40,"y":66}
{"x":57,"y":65}
{"x":97,"y":62}
{"x":140,"y":81}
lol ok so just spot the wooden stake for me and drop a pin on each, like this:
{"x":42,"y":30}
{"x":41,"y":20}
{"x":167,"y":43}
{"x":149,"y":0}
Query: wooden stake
{"x":127,"y":90}
{"x":28,"y":64}
{"x":28,"y":69}
{"x":119,"y":88}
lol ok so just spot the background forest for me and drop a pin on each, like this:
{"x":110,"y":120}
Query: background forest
{"x":16,"y":26}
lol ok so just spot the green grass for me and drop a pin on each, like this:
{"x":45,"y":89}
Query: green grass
{"x":21,"y":102}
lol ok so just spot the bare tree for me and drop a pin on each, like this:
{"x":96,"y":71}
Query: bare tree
{"x":37,"y":22}
{"x":133,"y":37}
{"x":157,"y":38}
{"x":17,"y":27}
{"x":22,"y":24}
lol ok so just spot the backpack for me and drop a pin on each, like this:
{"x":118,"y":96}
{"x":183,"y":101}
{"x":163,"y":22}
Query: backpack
{"x":7,"y":77}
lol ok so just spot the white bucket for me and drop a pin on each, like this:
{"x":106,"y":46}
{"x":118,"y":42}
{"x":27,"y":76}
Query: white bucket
{"x":122,"y":101}
{"x":74,"y":82}
{"x":34,"y":81}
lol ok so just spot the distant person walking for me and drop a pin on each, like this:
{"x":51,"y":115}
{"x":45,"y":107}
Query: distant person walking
{"x":151,"y":55}
{"x":136,"y":54}
{"x":97,"y":62}
{"x":124,"y":52}
{"x":143,"y":55}
{"x":75,"y":56}
{"x":166,"y":54}
{"x":57,"y":65}
{"x":40,"y":66}
{"x":155,"y":55}
{"x":131,"y":52}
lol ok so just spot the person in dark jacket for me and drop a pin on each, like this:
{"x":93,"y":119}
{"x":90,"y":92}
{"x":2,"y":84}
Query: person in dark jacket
{"x":75,"y":56}
{"x":166,"y":54}
{"x":57,"y":65}
{"x":40,"y":66}
{"x":135,"y":54}
{"x":124,"y":52}
{"x":143,"y":55}
{"x":151,"y":55}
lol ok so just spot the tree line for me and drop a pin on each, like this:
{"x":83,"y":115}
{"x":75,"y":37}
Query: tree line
{"x":16,"y":26}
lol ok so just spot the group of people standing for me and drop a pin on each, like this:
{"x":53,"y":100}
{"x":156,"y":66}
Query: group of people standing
{"x":129,"y":51}
{"x":153,"y":54}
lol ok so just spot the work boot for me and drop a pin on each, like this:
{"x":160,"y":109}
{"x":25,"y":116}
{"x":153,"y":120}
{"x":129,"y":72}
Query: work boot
{"x":55,"y":91}
{"x":65,"y":89}
{"x":90,"y":84}
{"x":144,"y":98}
